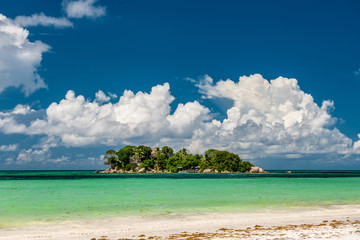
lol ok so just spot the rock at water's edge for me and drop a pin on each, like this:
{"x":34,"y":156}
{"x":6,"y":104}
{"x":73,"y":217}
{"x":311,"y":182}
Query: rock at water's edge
{"x":257,"y":170}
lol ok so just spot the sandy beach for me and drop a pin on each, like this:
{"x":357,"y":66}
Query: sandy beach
{"x":323,"y":222}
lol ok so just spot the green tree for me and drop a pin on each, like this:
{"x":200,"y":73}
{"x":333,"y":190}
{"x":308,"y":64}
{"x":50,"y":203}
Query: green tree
{"x":182,"y":152}
{"x":226,"y":161}
{"x":173,"y":163}
{"x":222,"y":161}
{"x":111,"y":159}
{"x":168,"y":151}
{"x":143,"y":152}
{"x":131,"y":157}
{"x":124,"y":155}
{"x":191,"y":161}
{"x":161,"y":161}
{"x":245,"y":166}
{"x":147,"y":164}
{"x":210,"y":154}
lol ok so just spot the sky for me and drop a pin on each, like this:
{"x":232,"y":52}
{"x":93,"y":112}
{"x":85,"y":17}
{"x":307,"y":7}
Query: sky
{"x":276,"y":82}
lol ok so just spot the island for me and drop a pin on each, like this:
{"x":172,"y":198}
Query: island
{"x":144,"y":159}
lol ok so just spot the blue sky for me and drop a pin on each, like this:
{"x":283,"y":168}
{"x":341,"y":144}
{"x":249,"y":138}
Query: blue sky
{"x":175,"y":57}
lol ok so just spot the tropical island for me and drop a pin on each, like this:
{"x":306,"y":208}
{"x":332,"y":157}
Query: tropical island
{"x":144,"y":159}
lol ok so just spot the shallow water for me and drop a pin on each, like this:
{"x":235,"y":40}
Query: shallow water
{"x":71,"y":195}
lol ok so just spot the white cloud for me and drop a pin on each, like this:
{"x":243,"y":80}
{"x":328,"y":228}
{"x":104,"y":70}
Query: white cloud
{"x":58,"y":160}
{"x":112,"y":95}
{"x":75,"y":121}
{"x":30,"y":155}
{"x":100,"y":97}
{"x":18,"y":110}
{"x":83,"y":8}
{"x":8,"y":119}
{"x":8,"y":148}
{"x":42,"y":155}
{"x":188,"y":117}
{"x":43,"y":20}
{"x":357,"y":143}
{"x":9,"y":126}
{"x":267,"y":119}
{"x":19,"y":58}
{"x":293,"y":155}
{"x":95,"y":160}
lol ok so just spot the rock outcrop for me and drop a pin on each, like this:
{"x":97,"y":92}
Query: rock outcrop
{"x":109,"y":170}
{"x":257,"y":170}
{"x":142,"y":170}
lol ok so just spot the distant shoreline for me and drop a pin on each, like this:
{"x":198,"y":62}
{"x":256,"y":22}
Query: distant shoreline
{"x":253,"y":169}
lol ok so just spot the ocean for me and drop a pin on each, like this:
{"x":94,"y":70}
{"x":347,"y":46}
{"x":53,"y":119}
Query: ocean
{"x":55,"y":196}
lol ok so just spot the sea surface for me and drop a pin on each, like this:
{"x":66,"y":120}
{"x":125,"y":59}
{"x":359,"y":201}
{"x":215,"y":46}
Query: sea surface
{"x":45,"y":196}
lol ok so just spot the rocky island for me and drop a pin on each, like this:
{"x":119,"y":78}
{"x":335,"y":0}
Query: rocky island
{"x":144,"y":159}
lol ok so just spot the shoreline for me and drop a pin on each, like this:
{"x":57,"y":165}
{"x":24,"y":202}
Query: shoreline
{"x":328,"y":219}
{"x":254,"y":169}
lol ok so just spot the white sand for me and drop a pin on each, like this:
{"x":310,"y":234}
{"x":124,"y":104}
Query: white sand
{"x":164,"y":226}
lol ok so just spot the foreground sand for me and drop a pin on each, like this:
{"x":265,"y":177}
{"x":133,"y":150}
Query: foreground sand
{"x":326,"y":222}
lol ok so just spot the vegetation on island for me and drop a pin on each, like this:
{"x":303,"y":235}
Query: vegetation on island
{"x":132,"y":158}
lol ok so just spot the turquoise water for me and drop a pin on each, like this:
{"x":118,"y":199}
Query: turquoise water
{"x":72,"y":195}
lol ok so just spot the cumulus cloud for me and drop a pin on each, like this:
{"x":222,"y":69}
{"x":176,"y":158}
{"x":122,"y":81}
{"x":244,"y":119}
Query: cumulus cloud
{"x":8,"y":148}
{"x":43,"y":20}
{"x":9,"y":120}
{"x":357,"y":143}
{"x":29,"y":155}
{"x":100,"y":96}
{"x":188,"y":117}
{"x":83,"y":8}
{"x":267,"y":119}
{"x":75,"y":121}
{"x":19,"y":58}
{"x":18,"y":110}
{"x":39,"y":155}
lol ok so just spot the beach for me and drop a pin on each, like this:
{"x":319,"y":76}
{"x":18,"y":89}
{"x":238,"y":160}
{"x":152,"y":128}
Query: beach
{"x":326,"y":222}
{"x":79,"y":205}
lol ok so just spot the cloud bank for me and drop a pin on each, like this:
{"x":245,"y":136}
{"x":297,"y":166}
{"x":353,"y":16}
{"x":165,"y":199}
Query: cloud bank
{"x":19,"y":58}
{"x":271,"y":118}
{"x":80,"y":122}
{"x":267,"y":119}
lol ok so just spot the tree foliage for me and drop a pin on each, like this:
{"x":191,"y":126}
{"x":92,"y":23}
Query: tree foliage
{"x":164,"y":159}
{"x":111,"y":158}
{"x":124,"y":155}
{"x":143,"y":152}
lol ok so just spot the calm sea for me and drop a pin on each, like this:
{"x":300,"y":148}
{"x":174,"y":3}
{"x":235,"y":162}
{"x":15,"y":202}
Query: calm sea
{"x":74,"y":195}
